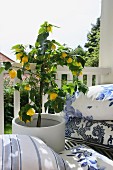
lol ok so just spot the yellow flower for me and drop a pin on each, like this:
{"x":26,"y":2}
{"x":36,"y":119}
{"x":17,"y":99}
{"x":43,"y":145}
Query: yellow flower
{"x":12,"y":73}
{"x":49,"y":29}
{"x":18,"y":56}
{"x":74,"y":73}
{"x":27,"y":87}
{"x":64,"y":55}
{"x":30,"y":112}
{"x":69,"y":60}
{"x":53,"y":96}
{"x":25,"y":59}
{"x":53,"y":47}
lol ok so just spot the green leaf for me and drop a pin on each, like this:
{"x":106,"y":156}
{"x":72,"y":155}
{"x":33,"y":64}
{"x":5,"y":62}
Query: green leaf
{"x":15,"y":47}
{"x":58,"y":105}
{"x":37,"y":44}
{"x":42,"y":37}
{"x":55,"y":42}
{"x":81,"y":60}
{"x":19,"y":74}
{"x":27,"y":107}
{"x":7,"y":65}
{"x":1,"y":69}
{"x":18,"y":46}
{"x":82,"y":87}
{"x":69,"y":88}
{"x":17,"y":86}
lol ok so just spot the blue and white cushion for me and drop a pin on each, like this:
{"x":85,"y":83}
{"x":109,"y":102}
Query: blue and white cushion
{"x":98,"y":102}
{"x":82,"y":126}
{"x":22,"y":152}
{"x":82,"y":157}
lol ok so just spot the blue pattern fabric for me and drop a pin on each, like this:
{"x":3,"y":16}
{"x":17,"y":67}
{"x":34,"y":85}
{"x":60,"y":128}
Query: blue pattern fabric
{"x":100,"y":132}
{"x":84,"y":158}
{"x":98,"y":102}
{"x":23,"y":152}
{"x":85,"y":127}
{"x":97,"y":134}
{"x":106,"y":93}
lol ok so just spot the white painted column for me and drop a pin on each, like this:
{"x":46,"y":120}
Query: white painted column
{"x":106,"y":39}
{"x":16,"y":93}
{"x":16,"y":100}
{"x":1,"y":103}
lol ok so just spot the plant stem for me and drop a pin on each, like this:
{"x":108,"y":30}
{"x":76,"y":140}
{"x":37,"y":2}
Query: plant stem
{"x":39,"y":120}
{"x":40,"y":100}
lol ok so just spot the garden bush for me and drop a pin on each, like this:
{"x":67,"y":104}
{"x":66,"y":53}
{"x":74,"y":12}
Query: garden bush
{"x":9,"y":102}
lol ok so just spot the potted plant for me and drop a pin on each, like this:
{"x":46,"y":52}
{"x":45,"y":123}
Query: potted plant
{"x":47,"y":55}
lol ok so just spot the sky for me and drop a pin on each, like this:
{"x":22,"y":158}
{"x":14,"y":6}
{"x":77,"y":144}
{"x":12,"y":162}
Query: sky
{"x":21,"y":19}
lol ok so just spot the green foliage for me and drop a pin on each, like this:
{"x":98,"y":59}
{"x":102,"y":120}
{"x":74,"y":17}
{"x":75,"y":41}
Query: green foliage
{"x":80,"y":51}
{"x":8,"y":101}
{"x":9,"y":106}
{"x":19,"y":74}
{"x":8,"y":128}
{"x":47,"y":55}
{"x":92,"y":45}
{"x":7,"y":65}
{"x":91,"y":51}
{"x":23,"y":98}
{"x":91,"y":55}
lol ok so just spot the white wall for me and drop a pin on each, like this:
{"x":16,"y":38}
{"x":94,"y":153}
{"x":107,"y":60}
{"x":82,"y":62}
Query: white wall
{"x":106,"y":38}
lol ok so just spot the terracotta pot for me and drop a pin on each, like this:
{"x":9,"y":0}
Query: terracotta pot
{"x":52,"y":131}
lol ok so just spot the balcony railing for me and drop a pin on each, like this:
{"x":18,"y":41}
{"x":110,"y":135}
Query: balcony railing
{"x":92,"y":77}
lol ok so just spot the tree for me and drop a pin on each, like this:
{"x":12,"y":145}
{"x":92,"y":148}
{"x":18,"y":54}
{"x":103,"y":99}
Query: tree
{"x":80,"y":51}
{"x":92,"y":45}
{"x":47,"y":55}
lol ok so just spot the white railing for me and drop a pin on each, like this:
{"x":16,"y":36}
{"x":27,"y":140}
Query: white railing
{"x":89,"y":72}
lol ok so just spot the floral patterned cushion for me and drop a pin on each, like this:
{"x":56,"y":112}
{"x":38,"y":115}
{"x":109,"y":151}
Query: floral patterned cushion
{"x":98,"y":102}
{"x":102,"y":149}
{"x":86,"y":128}
{"x":82,"y":157}
{"x":28,"y":152}
{"x":100,"y":132}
